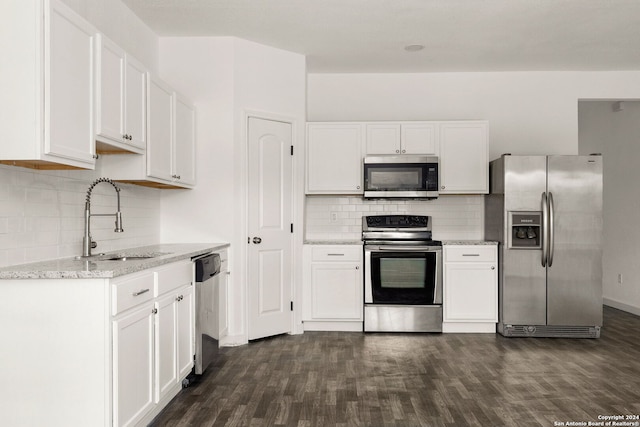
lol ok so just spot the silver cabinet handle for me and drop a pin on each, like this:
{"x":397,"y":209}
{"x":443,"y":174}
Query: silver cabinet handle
{"x":140,"y":292}
{"x":257,"y":240}
{"x":335,"y":254}
{"x":470,"y":254}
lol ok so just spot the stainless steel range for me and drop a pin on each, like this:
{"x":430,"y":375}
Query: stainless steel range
{"x":403,"y":274}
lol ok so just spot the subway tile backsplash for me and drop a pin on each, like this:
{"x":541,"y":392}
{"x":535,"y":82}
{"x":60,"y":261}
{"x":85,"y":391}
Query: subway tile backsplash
{"x":340,"y":218}
{"x":42,"y":214}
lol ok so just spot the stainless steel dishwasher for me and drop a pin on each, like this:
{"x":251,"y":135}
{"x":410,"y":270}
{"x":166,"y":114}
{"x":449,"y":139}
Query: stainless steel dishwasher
{"x":207,"y":272}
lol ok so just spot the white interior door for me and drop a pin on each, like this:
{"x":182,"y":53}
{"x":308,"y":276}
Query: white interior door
{"x":269,"y":227}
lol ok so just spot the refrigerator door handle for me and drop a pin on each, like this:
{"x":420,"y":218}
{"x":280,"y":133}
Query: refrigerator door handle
{"x":545,"y":227}
{"x":552,"y":243}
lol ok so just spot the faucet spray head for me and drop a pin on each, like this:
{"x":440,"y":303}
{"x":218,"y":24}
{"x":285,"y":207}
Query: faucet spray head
{"x":119,"y":228}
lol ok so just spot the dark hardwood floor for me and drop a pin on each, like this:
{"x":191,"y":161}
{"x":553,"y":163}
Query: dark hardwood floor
{"x":356,"y":379}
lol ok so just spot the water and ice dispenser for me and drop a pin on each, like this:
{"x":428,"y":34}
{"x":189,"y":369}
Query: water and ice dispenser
{"x":525,"y":230}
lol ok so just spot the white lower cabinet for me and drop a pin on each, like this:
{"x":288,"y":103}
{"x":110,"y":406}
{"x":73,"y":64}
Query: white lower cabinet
{"x":133,"y":365}
{"x":333,"y":281}
{"x":95,"y":351}
{"x":470,"y":284}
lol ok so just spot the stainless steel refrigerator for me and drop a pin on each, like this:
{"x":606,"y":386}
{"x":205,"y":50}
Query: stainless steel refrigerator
{"x":546,"y":214}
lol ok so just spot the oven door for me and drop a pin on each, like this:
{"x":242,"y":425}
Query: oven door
{"x":403,"y":275}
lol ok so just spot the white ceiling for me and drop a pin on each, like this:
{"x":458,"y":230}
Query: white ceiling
{"x":458,"y":35}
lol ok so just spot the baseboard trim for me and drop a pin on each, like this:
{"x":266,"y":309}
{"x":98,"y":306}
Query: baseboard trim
{"x":621,"y":306}
{"x":233,"y":341}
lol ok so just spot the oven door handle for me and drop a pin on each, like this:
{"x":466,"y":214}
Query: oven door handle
{"x":407,"y":248}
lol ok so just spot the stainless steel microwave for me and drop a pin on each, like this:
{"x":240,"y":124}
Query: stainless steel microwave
{"x":405,"y":176}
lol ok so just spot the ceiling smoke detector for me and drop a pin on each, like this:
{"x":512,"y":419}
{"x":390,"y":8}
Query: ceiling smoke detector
{"x":414,"y":47}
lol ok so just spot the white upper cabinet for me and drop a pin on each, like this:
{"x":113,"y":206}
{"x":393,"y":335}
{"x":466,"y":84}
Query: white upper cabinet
{"x":184,"y":147}
{"x":335,"y":151}
{"x":160,"y":125}
{"x":401,"y":138}
{"x":334,"y":158}
{"x":47,"y":113}
{"x":169,"y":160}
{"x":120,"y":100}
{"x":464,"y":157}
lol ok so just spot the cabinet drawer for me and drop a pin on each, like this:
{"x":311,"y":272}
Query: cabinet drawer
{"x":336,"y":253}
{"x":131,"y":290}
{"x":173,"y":276}
{"x":474,"y":253}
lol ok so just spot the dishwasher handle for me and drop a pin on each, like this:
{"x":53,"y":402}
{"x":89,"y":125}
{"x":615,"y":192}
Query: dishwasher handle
{"x":207,"y":267}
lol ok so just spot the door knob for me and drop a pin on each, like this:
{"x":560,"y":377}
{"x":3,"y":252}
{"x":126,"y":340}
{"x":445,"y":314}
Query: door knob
{"x":257,"y":240}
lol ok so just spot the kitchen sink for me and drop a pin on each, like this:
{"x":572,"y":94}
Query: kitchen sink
{"x":122,"y":256}
{"x":129,"y":258}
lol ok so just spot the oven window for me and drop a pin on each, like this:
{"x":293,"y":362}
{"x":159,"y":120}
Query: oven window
{"x":403,"y":273}
{"x":403,"y":277}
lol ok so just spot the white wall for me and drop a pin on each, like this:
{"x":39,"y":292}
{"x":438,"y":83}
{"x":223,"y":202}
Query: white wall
{"x":227,"y":78}
{"x":617,"y":136}
{"x":454,"y":217}
{"x":528,"y":112}
{"x":120,"y":24}
{"x":42,"y":215}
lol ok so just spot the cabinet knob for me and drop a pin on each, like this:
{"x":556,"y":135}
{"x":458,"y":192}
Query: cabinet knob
{"x":154,"y":311}
{"x":397,"y":151}
{"x":493,"y":267}
{"x":357,"y":267}
{"x":95,"y":156}
{"x":442,"y":187}
{"x":358,"y":187}
{"x":404,"y":151}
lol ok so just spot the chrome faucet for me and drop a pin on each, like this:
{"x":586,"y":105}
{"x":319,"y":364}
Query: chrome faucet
{"x":87,"y":243}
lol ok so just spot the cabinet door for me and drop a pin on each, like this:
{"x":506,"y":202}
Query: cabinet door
{"x":224,"y":304}
{"x":135,"y":96}
{"x":464,"y":158}
{"x":336,"y":291}
{"x":419,"y":139}
{"x":334,"y":158}
{"x":185,"y":142}
{"x":109,"y":90}
{"x":133,"y":366}
{"x":166,"y":373}
{"x":160,"y":126}
{"x":470,"y":292}
{"x":383,"y":138}
{"x":186,"y":331}
{"x":69,"y":88}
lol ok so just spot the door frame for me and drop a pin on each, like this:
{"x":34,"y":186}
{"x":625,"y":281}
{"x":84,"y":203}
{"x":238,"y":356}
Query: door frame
{"x":297,"y":213}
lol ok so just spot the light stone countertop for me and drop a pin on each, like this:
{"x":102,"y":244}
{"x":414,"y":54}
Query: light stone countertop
{"x":333,"y":242}
{"x":98,"y":267}
{"x":469,"y":242}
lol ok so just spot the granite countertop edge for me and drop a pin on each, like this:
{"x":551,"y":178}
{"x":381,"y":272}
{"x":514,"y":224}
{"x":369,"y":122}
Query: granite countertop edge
{"x":97,"y":267}
{"x":332,"y":242}
{"x":469,"y":242}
